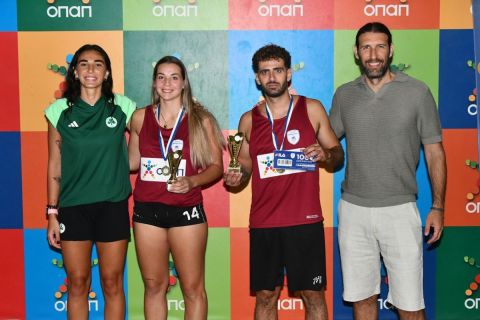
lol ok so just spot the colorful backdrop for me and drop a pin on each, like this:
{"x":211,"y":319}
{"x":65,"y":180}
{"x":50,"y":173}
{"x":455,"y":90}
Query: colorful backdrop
{"x":216,"y":39}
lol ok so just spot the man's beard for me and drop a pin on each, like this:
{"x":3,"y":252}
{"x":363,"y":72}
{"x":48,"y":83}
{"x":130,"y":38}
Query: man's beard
{"x":275,"y":93}
{"x":375,"y":73}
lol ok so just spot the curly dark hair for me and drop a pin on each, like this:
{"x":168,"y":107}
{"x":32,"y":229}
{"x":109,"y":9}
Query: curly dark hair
{"x":72,"y":93}
{"x":268,"y":52}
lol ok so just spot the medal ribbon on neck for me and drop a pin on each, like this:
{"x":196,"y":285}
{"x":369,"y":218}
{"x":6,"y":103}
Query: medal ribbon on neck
{"x":161,"y":142}
{"x":287,"y":121}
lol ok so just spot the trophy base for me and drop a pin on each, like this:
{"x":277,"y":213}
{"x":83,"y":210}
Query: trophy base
{"x":235,"y":169}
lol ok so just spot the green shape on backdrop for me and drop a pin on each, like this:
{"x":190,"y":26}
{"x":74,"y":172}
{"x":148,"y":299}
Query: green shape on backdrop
{"x":456,"y":270}
{"x":69,"y":15}
{"x":176,"y":15}
{"x":217,"y":279}
{"x":205,"y":51}
{"x":416,"y":48}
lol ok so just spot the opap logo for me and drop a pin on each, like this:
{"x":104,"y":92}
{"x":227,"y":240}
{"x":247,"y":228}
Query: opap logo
{"x":384,"y":10}
{"x":60,"y":304}
{"x":293,"y":8}
{"x":472,"y":206}
{"x":470,"y":302}
{"x":62,"y":71}
{"x":472,"y":108}
{"x":82,"y":11}
{"x":183,"y":10}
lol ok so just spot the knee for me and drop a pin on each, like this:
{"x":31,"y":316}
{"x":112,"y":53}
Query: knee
{"x":367,"y":302}
{"x":266,"y":299}
{"x":313,"y":299}
{"x":155,"y":286}
{"x":194,"y":291}
{"x":78,"y":285}
{"x":112,"y":284}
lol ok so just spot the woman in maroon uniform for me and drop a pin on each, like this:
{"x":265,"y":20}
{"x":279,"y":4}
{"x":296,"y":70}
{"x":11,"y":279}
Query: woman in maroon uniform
{"x":169,"y":218}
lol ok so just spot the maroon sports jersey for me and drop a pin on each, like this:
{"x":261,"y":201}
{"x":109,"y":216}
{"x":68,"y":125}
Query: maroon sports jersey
{"x":149,"y":191}
{"x":286,"y":200}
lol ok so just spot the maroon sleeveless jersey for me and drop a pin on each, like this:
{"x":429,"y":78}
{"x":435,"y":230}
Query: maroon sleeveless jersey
{"x":149,"y":145}
{"x":283,"y":200}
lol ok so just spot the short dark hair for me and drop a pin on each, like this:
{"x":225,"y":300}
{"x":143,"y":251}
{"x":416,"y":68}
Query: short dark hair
{"x":269,"y":52}
{"x":377,"y":27}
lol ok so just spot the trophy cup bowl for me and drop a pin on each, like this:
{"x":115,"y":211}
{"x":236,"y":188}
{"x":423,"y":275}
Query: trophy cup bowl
{"x":234,"y":145}
{"x":173,"y":158}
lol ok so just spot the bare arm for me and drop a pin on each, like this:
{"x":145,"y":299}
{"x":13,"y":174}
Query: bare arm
{"x":136,"y":123}
{"x":328,"y":151}
{"x":235,"y":179}
{"x":211,"y":173}
{"x":53,"y":183}
{"x":437,"y":171}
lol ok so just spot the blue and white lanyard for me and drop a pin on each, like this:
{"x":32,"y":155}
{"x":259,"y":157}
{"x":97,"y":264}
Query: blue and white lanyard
{"x":270,"y":120}
{"x":161,"y":142}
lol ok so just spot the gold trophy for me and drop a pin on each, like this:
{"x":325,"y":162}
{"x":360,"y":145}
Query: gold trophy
{"x":174,"y":158}
{"x":234,"y":145}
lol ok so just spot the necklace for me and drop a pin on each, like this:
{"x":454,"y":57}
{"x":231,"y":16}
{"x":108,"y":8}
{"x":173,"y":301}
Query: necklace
{"x":161,"y":115}
{"x":164,"y":121}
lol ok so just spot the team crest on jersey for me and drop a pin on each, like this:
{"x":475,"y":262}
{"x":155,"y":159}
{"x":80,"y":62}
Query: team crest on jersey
{"x":177,"y":144}
{"x":293,"y":136}
{"x":111,"y":122}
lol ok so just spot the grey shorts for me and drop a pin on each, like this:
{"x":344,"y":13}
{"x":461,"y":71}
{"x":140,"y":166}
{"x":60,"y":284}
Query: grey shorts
{"x":395,"y":234}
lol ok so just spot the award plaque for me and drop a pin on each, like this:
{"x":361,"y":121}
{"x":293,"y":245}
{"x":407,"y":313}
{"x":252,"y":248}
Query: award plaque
{"x":174,"y":159}
{"x":234,"y":145}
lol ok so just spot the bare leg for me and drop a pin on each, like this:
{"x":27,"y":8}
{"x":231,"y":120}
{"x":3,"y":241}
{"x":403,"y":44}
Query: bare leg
{"x":111,"y":256}
{"x":315,"y":305}
{"x":266,"y":304}
{"x":366,"y":309}
{"x":188,"y":245}
{"x":152,"y":253}
{"x":77,"y":256}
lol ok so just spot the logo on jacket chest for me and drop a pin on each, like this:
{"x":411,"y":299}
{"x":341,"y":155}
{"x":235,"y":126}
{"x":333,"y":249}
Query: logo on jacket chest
{"x":293,"y":136}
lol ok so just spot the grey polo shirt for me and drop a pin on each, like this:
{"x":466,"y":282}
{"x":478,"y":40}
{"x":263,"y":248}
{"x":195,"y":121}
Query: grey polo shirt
{"x":384,"y":132}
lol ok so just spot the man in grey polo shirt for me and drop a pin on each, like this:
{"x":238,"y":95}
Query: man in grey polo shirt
{"x":385,"y":117}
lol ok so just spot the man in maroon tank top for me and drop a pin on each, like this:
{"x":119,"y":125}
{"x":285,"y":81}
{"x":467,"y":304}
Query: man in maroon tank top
{"x":286,"y":222}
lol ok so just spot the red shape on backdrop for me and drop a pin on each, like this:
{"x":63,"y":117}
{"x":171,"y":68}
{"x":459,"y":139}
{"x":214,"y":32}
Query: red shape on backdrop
{"x":13,"y":289}
{"x":281,"y":14}
{"x":9,"y":90}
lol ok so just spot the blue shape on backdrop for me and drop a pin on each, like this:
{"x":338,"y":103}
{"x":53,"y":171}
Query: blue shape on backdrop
{"x":8,"y":15}
{"x":312,"y":66}
{"x":456,"y":79}
{"x":424,"y":194}
{"x":343,"y":310}
{"x":11,"y":186}
{"x":44,"y":277}
{"x":476,"y":28}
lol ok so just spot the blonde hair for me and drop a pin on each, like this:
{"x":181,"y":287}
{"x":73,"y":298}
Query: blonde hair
{"x":200,"y":149}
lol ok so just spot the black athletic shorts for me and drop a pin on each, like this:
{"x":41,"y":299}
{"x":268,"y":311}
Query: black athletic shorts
{"x":100,"y":222}
{"x":165,"y":216}
{"x":297,"y":252}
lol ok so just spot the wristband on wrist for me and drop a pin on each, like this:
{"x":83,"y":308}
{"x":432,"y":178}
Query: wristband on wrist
{"x":437,"y":209}
{"x":51,"y":209}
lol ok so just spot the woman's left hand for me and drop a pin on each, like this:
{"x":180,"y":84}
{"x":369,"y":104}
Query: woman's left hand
{"x":182,"y":185}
